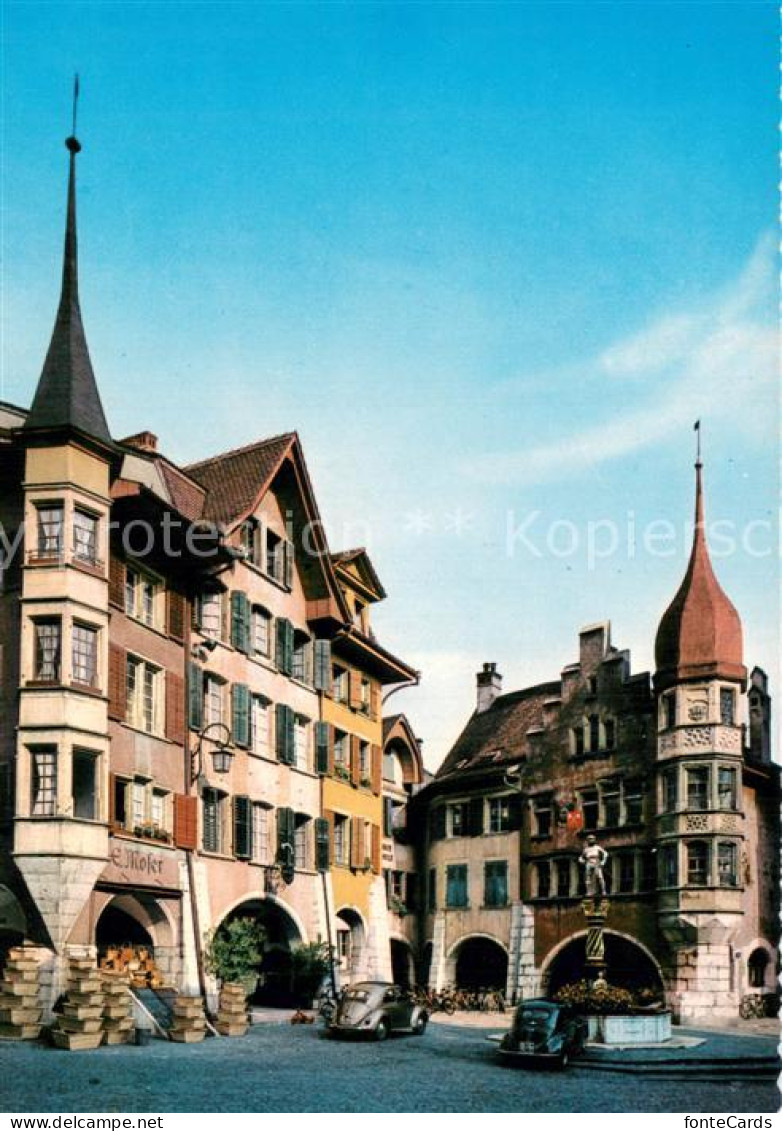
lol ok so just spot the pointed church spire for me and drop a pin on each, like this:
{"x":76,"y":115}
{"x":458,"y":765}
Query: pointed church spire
{"x":67,"y":395}
{"x":700,"y":634}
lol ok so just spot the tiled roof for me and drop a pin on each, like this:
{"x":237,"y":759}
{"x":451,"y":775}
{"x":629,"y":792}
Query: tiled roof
{"x":499,"y":735}
{"x":234,"y":479}
{"x":187,"y":497}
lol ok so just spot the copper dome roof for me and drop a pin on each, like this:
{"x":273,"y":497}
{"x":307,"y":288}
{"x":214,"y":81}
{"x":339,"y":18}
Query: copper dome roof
{"x":700,"y":632}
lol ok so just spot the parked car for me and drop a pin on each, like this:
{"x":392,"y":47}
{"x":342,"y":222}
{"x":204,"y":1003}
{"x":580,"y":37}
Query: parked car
{"x":376,"y":1009}
{"x":545,"y":1031}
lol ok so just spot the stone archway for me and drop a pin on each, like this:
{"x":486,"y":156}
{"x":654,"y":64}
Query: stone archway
{"x":628,"y":964}
{"x":138,"y":922}
{"x":13,"y":924}
{"x":283,"y":934}
{"x":351,"y":944}
{"x":478,"y":962}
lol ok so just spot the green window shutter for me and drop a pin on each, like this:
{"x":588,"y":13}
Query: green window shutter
{"x":323,"y":665}
{"x":284,"y":655}
{"x":515,"y":812}
{"x":322,"y":748}
{"x":240,"y":621}
{"x":279,"y":731}
{"x":322,"y":844}
{"x":243,"y":816}
{"x":285,"y":834}
{"x":195,"y":684}
{"x":240,"y":696}
{"x":290,"y":736}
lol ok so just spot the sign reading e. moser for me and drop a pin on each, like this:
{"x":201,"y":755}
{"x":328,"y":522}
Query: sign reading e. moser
{"x":136,"y":864}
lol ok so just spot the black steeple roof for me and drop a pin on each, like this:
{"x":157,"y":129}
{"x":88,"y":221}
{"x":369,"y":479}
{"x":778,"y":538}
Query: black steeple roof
{"x":67,"y":395}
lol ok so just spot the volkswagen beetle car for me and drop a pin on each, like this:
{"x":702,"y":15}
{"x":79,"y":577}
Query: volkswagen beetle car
{"x":545,"y":1031}
{"x":376,"y":1009}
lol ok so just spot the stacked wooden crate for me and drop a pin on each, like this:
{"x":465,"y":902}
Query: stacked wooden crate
{"x":138,"y":962}
{"x":20,"y":1010}
{"x":189,"y":1024}
{"x":117,"y":1012}
{"x":80,"y":1025}
{"x":232,"y":1011}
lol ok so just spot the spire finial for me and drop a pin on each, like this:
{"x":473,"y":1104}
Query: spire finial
{"x":697,"y":429}
{"x":72,"y":142}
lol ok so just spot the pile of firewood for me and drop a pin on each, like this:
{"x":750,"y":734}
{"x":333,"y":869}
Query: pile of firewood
{"x":134,"y":962}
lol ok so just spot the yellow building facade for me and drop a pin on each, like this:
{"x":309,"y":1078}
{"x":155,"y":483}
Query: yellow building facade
{"x":352,"y":800}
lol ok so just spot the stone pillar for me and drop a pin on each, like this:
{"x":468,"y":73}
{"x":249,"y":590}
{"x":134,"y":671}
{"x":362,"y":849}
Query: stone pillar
{"x":378,"y":956}
{"x":522,"y":974}
{"x":701,"y":985}
{"x":437,"y":969}
{"x":596,"y":913}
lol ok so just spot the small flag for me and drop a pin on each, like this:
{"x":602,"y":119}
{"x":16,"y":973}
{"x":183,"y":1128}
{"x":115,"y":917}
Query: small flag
{"x":575,"y":820}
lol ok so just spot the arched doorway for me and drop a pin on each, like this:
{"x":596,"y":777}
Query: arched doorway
{"x":351,"y":945}
{"x":628,"y":964}
{"x":282,"y":935}
{"x":481,"y":963}
{"x":402,"y":963}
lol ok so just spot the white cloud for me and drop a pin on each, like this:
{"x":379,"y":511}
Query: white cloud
{"x":713,"y":363}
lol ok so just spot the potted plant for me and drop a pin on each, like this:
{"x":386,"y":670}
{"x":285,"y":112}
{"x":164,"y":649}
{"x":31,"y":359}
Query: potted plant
{"x":310,"y":965}
{"x":235,"y":951}
{"x":397,"y":906}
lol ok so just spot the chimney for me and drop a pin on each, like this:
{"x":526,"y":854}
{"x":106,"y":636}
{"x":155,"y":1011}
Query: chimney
{"x":489,"y":683}
{"x":143,"y":441}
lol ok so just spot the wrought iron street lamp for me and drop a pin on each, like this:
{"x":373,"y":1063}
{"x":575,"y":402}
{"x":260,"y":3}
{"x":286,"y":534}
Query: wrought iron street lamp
{"x":219,"y":735}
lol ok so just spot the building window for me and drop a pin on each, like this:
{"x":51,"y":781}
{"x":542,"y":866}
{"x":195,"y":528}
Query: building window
{"x":698,"y":787}
{"x":458,"y":819}
{"x":139,"y":804}
{"x":578,"y":740}
{"x":364,"y":762}
{"x":633,"y":798}
{"x":626,"y":867}
{"x":43,"y":781}
{"x":302,"y":657}
{"x":670,"y":788}
{"x":669,"y":710}
{"x":542,"y":814}
{"x":697,"y":863}
{"x":456,"y":885}
{"x":431,"y":890}
{"x":366,"y":696}
{"x":211,"y":615}
{"x":339,"y":684}
{"x":213,"y":700}
{"x":48,"y":642}
{"x":341,"y":750}
{"x":648,"y":870}
{"x":158,"y":810}
{"x":562,"y":868}
{"x":727,"y":864}
{"x":84,"y":655}
{"x":260,"y":833}
{"x":260,"y":628}
{"x":84,"y":785}
{"x":668,"y":866}
{"x":727,"y":792}
{"x":499,"y":814}
{"x":543,"y":877}
{"x":590,"y":807}
{"x":144,"y":695}
{"x":143,"y":597}
{"x":85,"y":536}
{"x":50,"y":531}
{"x":260,"y":722}
{"x":213,"y":818}
{"x":609,"y":727}
{"x":274,"y":555}
{"x":341,"y":839}
{"x":495,"y":883}
{"x":757,"y":964}
{"x":727,"y":706}
{"x":611,"y":806}
{"x":594,"y":732}
{"x":301,"y":736}
{"x":301,"y":841}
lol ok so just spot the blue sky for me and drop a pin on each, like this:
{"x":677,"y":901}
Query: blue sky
{"x":491,"y":261}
